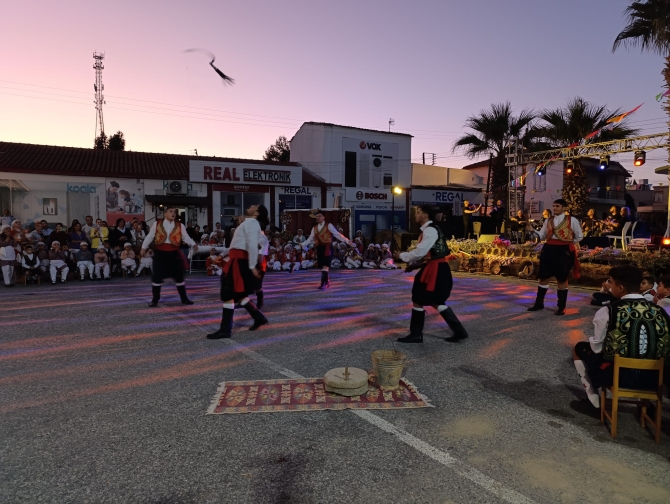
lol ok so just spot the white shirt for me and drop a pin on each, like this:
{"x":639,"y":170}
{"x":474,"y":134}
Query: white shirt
{"x":333,"y":231}
{"x":574,"y":224}
{"x":429,"y":236}
{"x":600,"y":322}
{"x":247,"y":236}
{"x":168,"y":226}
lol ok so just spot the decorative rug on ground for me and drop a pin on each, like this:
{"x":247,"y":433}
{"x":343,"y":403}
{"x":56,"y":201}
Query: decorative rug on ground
{"x":307,"y":394}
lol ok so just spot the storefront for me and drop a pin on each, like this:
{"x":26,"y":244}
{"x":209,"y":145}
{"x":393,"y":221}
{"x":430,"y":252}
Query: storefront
{"x":373,"y":211}
{"x":297,"y":198}
{"x":447,"y":200}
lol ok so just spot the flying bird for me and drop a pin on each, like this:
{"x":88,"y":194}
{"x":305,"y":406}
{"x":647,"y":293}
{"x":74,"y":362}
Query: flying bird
{"x":226,"y":79}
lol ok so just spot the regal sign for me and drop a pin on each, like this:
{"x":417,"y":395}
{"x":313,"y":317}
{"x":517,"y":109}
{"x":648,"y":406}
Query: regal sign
{"x":244,"y":173}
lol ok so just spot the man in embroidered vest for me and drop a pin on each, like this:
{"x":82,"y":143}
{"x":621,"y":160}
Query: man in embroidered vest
{"x":322,"y":236}
{"x":562,"y":233}
{"x":433,"y":282}
{"x":241,"y":274}
{"x":167,"y":235}
{"x":631,"y":327}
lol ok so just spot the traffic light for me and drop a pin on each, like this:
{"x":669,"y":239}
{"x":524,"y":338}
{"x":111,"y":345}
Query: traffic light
{"x":569,"y":167}
{"x":604,"y":162}
{"x":640,"y":158}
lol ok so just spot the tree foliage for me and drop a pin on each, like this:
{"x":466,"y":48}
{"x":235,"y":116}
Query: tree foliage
{"x":100,"y":142}
{"x":117,"y":141}
{"x":279,"y":151}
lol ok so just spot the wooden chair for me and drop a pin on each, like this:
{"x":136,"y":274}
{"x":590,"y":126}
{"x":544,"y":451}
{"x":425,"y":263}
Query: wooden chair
{"x":626,"y":227}
{"x":643,"y":396}
{"x":25,"y":278}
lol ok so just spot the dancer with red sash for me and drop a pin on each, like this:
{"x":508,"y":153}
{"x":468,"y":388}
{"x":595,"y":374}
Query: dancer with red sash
{"x":433,"y":282}
{"x":240,"y":274}
{"x":558,"y":256}
{"x":264,"y":248}
{"x":169,"y":262}
{"x":322,"y":236}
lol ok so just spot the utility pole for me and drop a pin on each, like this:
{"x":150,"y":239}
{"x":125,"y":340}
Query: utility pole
{"x":488,"y":184}
{"x":391,"y":123}
{"x":423,"y":157}
{"x":99,"y":97}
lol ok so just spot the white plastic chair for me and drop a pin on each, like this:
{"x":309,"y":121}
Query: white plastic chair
{"x":621,"y":237}
{"x":628,"y":238}
{"x":477,"y":229}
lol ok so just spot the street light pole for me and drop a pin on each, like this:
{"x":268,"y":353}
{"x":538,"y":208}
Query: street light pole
{"x":394,"y":191}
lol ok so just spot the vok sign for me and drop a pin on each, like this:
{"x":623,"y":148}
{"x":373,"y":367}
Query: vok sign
{"x":247,"y":173}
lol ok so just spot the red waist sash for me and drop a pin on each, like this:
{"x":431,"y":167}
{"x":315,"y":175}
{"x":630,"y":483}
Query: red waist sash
{"x":166,"y":247}
{"x":573,"y":249}
{"x":238,"y":279}
{"x":429,"y":273}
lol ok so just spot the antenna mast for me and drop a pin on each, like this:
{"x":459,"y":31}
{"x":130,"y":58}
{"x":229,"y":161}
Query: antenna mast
{"x":99,"y":97}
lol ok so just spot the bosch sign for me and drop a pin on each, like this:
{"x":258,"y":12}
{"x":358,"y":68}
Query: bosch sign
{"x":367,"y":195}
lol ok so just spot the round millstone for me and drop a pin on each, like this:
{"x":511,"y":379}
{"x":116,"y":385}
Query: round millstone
{"x":357,"y":384}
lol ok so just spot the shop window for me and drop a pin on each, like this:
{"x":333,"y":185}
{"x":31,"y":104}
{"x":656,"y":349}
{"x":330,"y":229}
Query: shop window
{"x":388,"y":180}
{"x":539,"y":182}
{"x":349,"y":169}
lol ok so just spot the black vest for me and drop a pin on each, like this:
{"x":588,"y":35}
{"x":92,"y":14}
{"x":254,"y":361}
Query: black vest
{"x":31,"y":262}
{"x":439,"y":249}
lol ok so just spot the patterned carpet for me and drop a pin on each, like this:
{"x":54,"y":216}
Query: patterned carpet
{"x":308,"y":394}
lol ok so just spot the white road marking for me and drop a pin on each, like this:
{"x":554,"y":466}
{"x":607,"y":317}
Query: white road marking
{"x":440,"y":456}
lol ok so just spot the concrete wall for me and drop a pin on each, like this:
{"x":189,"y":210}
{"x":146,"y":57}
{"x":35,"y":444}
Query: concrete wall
{"x":429,"y":175}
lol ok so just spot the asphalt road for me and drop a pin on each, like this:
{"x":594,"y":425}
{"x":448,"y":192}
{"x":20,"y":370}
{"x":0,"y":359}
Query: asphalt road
{"x":103,"y":399}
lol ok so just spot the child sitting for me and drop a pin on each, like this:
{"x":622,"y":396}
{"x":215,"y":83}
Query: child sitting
{"x":352,"y":259}
{"x":603,"y":296}
{"x":338,"y":252}
{"x":288,"y":262}
{"x":309,"y":258}
{"x":146,"y":261}
{"x":128,"y":259}
{"x":647,"y":287}
{"x":30,"y":263}
{"x":85,"y":261}
{"x":663,"y":291}
{"x":370,"y":257}
{"x":43,"y":256}
{"x":101,"y":263}
{"x":214,"y":263}
{"x":386,"y":258}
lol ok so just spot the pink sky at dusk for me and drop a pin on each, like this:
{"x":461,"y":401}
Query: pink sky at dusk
{"x":427,"y":64}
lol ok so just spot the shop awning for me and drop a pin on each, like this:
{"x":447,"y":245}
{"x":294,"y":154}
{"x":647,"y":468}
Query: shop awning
{"x":160,"y":199}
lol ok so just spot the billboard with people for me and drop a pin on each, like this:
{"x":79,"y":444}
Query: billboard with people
{"x":124,"y":199}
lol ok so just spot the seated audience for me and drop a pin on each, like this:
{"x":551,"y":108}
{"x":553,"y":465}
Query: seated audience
{"x":57,"y":263}
{"x":69,"y":257}
{"x":120,"y":235}
{"x":603,"y":296}
{"x":7,"y":255}
{"x":43,"y":256}
{"x":663,"y":292}
{"x":76,"y":237}
{"x":352,"y":258}
{"x":386,"y":258}
{"x":648,"y":287}
{"x":646,"y":338}
{"x":85,"y":261}
{"x":214,"y":263}
{"x":101,"y":263}
{"x":146,"y":261}
{"x":299,"y":238}
{"x":128,"y":263}
{"x":30,"y":263}
{"x":46,"y":231}
{"x":370,"y":257}
{"x":58,"y":235}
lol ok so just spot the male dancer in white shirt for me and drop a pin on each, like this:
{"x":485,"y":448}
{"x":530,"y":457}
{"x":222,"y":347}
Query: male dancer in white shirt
{"x":562,"y":233}
{"x":322,"y":236}
{"x":167,"y":235}
{"x":240,"y":274}
{"x":433,"y":282}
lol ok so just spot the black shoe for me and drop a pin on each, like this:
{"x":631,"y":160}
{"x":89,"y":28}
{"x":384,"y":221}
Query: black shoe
{"x":456,"y":337}
{"x":153,"y":304}
{"x":560,"y":311}
{"x":411,"y":338}
{"x":219,"y":334}
{"x":324,"y":286}
{"x":187,"y":301}
{"x":536,"y":307}
{"x":258,"y":323}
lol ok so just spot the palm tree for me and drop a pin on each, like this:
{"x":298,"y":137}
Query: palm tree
{"x":648,"y":28}
{"x":566,"y":125}
{"x":491,"y":131}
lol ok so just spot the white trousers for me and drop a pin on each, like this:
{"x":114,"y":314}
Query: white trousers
{"x":388,"y":264}
{"x":307,"y":264}
{"x":85,"y":265}
{"x":287,"y":266}
{"x":351,"y":264}
{"x":369,"y":264}
{"x":8,"y":274}
{"x":102,"y":268}
{"x":335,"y":263}
{"x":56,"y":266}
{"x":276,"y":266}
{"x":128,"y":263}
{"x":216,"y":270}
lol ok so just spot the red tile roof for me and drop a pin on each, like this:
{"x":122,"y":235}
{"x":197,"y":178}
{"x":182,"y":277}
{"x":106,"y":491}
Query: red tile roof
{"x":73,"y":161}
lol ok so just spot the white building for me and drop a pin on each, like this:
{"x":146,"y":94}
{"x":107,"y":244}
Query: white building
{"x":360,"y":167}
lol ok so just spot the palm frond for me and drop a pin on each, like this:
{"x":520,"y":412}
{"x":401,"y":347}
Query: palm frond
{"x":648,"y":27}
